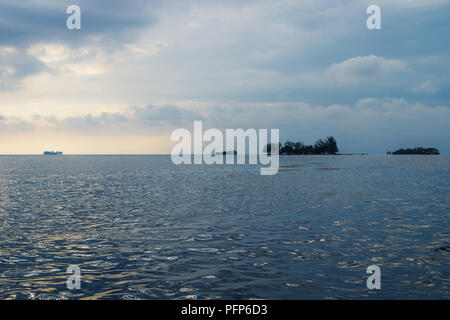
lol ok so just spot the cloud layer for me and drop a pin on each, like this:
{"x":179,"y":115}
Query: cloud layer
{"x":310,"y":68}
{"x":355,"y":126}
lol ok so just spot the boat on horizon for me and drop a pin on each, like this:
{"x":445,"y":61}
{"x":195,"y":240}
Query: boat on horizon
{"x":53,"y":153}
{"x":234,"y":152}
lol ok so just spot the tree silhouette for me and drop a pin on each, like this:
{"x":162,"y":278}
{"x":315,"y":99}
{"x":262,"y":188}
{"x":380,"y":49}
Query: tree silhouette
{"x":331,"y":144}
{"x":322,"y":146}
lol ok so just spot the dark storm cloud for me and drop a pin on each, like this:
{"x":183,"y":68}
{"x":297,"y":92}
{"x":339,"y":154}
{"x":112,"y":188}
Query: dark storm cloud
{"x":106,"y":23}
{"x":16,"y":64}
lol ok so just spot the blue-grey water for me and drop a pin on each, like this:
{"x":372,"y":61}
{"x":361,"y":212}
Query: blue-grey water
{"x":140,"y":227}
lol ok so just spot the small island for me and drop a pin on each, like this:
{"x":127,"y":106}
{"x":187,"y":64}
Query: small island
{"x":53,"y":153}
{"x":322,"y":146}
{"x":418,"y":150}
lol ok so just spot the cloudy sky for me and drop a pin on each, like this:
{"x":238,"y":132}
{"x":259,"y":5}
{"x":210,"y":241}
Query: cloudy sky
{"x":139,"y":69}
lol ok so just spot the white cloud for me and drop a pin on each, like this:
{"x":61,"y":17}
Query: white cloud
{"x":425,"y":87}
{"x":357,"y":71}
{"x":64,"y":60}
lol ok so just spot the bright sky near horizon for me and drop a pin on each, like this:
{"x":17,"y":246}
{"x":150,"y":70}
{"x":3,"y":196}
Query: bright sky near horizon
{"x":139,"y":69}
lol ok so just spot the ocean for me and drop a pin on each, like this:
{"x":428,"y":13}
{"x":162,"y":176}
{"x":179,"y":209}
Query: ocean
{"x":140,"y":227}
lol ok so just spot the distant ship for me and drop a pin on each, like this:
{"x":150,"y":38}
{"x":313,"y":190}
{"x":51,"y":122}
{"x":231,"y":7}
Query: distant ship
{"x":227,"y":152}
{"x":53,"y":153}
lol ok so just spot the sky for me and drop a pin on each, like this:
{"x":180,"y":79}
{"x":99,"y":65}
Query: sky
{"x":137,"y":70}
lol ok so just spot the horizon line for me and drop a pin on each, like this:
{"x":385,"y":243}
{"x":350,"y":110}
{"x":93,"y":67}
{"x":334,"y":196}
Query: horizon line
{"x":192,"y":154}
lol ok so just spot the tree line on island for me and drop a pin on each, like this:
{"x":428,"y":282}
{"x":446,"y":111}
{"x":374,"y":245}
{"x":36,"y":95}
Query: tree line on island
{"x":322,"y":146}
{"x":329,"y":146}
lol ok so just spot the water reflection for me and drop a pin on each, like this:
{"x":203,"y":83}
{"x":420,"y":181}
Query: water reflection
{"x":141,"y":228}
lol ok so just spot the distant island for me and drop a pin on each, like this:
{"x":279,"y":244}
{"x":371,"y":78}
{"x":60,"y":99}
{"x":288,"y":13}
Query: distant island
{"x":419,"y":150}
{"x":322,"y":146}
{"x":53,"y":153}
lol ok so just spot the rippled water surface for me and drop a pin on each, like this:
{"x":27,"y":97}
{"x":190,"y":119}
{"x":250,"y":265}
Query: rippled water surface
{"x":140,"y":227}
